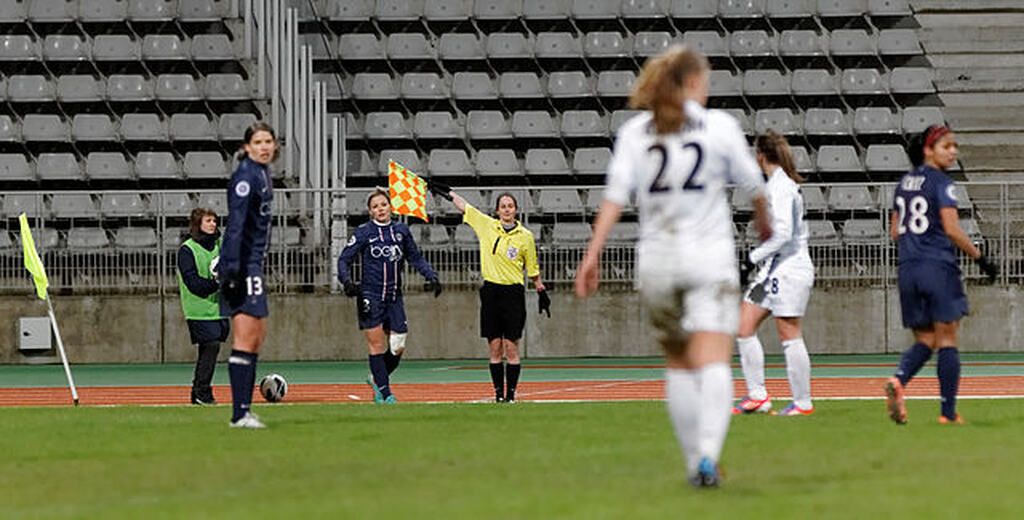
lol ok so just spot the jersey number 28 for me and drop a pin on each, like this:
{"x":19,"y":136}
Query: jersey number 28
{"x":918,"y":213}
{"x":659,"y":184}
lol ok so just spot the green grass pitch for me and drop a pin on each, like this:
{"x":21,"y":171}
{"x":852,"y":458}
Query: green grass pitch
{"x":569,"y":460}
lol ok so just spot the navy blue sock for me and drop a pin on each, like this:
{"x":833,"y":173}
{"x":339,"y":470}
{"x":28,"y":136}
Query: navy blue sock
{"x":913,"y":359}
{"x":391,"y":360}
{"x":949,"y":379}
{"x":379,"y":369}
{"x":498,"y":379}
{"x":242,"y":372}
{"x":512,"y":375}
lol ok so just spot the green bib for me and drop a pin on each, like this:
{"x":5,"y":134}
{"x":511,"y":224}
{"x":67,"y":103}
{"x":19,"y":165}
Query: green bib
{"x":194,"y":307}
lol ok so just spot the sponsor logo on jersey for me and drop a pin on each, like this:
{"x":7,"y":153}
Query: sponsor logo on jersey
{"x":912,"y":182}
{"x":392,"y":253}
{"x":242,"y":189}
{"x":351,"y":241}
{"x":512,"y":252}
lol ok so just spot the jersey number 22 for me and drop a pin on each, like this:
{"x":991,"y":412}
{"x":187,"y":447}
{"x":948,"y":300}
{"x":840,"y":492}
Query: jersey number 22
{"x":659,"y":184}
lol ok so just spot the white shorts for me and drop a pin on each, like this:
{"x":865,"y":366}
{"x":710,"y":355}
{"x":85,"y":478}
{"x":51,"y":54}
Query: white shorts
{"x":685,"y":294}
{"x":784,"y":291}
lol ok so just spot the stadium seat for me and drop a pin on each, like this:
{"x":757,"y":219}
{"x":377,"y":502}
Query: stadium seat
{"x":899,"y":42}
{"x":398,"y":10}
{"x":644,"y":11}
{"x":449,"y":163}
{"x":837,"y":159}
{"x":65,"y":47}
{"x":286,"y":236}
{"x":621,"y":116}
{"x":32,"y":88}
{"x":756,"y":44}
{"x":545,"y":161}
{"x":571,"y":233}
{"x":93,"y":127}
{"x":524,"y":200}
{"x":409,"y":47}
{"x":192,"y":127}
{"x":461,"y":46}
{"x":122,"y":205}
{"x":15,"y":167}
{"x":107,"y":165}
{"x":690,"y":10}
{"x":172,"y":238}
{"x":606,"y":44}
{"x":135,"y":238}
{"x":741,"y":117}
{"x":560,"y":200}
{"x":465,"y":237}
{"x":423,"y":86}
{"x":52,"y":10}
{"x":814,"y":199}
{"x":358,"y":164}
{"x":724,"y":84}
{"x":851,"y":43}
{"x":172,"y":204}
{"x":526,"y":85}
{"x":615,"y":83}
{"x":487,"y":125}
{"x":73,"y":205}
{"x":152,"y":10}
{"x":15,"y":203}
{"x":804,"y":164}
{"x":886,"y":158}
{"x":594,"y":9}
{"x":361,"y":47}
{"x":546,"y":9}
{"x":842,"y":8}
{"x":912,"y":80}
{"x":436,"y":125}
{"x":498,"y":162}
{"x":13,"y":12}
{"x":709,"y":43}
{"x":650,"y":43}
{"x":58,"y":167}
{"x":474,"y":86}
{"x":896,"y":8}
{"x":507,"y":10}
{"x":143,"y":127}
{"x":801,"y":46}
{"x":406,"y":157}
{"x":217,"y":201}
{"x":203,"y":10}
{"x":350,"y":10}
{"x":813,"y":83}
{"x":157,"y":165}
{"x":971,"y":229}
{"x":862,"y":82}
{"x":557,"y":45}
{"x":875,"y":121}
{"x":822,"y":233}
{"x":509,"y":46}
{"x":533,"y":123}
{"x":741,"y":9}
{"x":212,"y":47}
{"x":44,"y":127}
{"x":387,"y":125}
{"x":87,"y":238}
{"x":204,"y":165}
{"x":591,"y":161}
{"x":625,"y":233}
{"x":164,"y":47}
{"x":916,"y":119}
{"x":231,"y":127}
{"x":572,"y":84}
{"x":740,"y":201}
{"x":862,"y":231}
{"x":18,"y":47}
{"x":10,"y":130}
{"x":129,"y":87}
{"x":79,"y":88}
{"x":583,"y":123}
{"x":765,"y":82}
{"x":828,"y":124}
{"x":226,"y":87}
{"x":789,"y":9}
{"x":115,"y":47}
{"x":850,"y":198}
{"x":435,"y":235}
{"x":782,"y":120}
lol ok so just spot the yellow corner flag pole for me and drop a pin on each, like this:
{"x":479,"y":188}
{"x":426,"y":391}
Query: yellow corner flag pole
{"x":35,"y":266}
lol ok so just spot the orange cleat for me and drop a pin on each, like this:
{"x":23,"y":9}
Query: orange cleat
{"x":946,"y":420}
{"x":894,"y":401}
{"x":750,"y":405}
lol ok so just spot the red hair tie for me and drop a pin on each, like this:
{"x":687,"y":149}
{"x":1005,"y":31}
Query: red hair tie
{"x":934,"y":134}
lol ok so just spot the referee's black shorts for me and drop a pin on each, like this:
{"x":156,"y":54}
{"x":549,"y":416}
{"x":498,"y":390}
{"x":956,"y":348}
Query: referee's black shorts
{"x":502,"y":311}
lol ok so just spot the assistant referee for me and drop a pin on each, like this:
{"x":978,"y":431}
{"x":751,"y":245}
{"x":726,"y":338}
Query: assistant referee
{"x":506,"y":249}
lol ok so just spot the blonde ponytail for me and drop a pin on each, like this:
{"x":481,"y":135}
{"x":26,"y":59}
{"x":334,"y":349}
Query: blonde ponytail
{"x":659,"y":88}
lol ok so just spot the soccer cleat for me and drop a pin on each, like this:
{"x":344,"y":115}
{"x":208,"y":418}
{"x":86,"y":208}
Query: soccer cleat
{"x":894,"y":401}
{"x":377,"y":396}
{"x":707,"y":475}
{"x":203,"y":399}
{"x":391,"y":399}
{"x":793,"y":410}
{"x":955,"y":420}
{"x":751,"y":405}
{"x":510,"y":396}
{"x":249,"y":421}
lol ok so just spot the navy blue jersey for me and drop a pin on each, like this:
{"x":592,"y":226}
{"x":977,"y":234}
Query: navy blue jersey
{"x":919,"y":196}
{"x":384,"y":249}
{"x":247,"y":233}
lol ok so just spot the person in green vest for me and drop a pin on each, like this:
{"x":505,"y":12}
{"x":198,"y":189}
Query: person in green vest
{"x":200,"y":299}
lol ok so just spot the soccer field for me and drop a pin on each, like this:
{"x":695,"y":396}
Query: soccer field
{"x":530,"y":460}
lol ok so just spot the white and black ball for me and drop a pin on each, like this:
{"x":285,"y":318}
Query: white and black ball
{"x":273,"y":388}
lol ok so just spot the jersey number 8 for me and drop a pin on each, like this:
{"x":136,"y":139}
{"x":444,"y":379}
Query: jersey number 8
{"x":658,"y":184}
{"x":918,"y":221}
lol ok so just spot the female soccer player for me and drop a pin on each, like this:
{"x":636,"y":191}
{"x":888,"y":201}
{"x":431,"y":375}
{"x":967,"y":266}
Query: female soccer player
{"x":246,"y":237}
{"x":384,"y":246}
{"x":506,"y":248}
{"x":200,"y":302}
{"x":925,"y":225}
{"x":781,"y":287}
{"x":677,"y":157}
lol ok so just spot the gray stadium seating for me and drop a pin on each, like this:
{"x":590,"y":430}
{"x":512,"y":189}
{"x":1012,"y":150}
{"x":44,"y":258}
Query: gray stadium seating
{"x":650,"y":43}
{"x":231,"y":127}
{"x":143,"y":127}
{"x":15,"y":203}
{"x":358,"y":164}
{"x":288,"y":236}
{"x":766,"y":82}
{"x":447,"y":10}
{"x":497,"y":162}
{"x":741,"y":117}
{"x":851,"y":42}
{"x":435,"y":235}
{"x":107,"y":165}
{"x":409,"y":46}
{"x":889,"y":8}
{"x":44,"y":127}
{"x":406,"y":157}
{"x":912,"y":80}
{"x":875,"y":121}
{"x":800,"y":43}
{"x":399,"y":10}
{"x":751,"y":44}
{"x":129,"y":87}
{"x":177,"y":87}
{"x":192,"y":127}
{"x":837,"y":159}
{"x":73,"y":205}
{"x":65,"y":47}
{"x":16,"y":167}
{"x":545,"y":161}
{"x":534,"y":123}
{"x":621,"y":116}
{"x":741,"y":8}
{"x":387,"y":125}
{"x":360,"y":46}
{"x":93,"y":127}
{"x":473,"y":86}
{"x":487,"y":125}
{"x":52,"y":11}
{"x":591,"y":161}
{"x":595,"y":9}
{"x":626,"y":233}
{"x":18,"y":47}
{"x":850,"y":198}
{"x":782,"y":120}
{"x":546,"y":9}
{"x":203,"y":10}
{"x":423,"y":85}
{"x":135,"y":238}
{"x":516,"y":85}
{"x":710,"y":43}
{"x":123,"y":205}
{"x":449,"y":163}
{"x":557,"y":45}
{"x":822,"y":233}
{"x":115,"y":47}
{"x":10,"y":130}
{"x":509,"y":45}
{"x":173,"y":237}
{"x":465,"y":238}
{"x":862,"y":231}
{"x":890,"y":158}
{"x":899,"y":42}
{"x":350,"y":10}
{"x":30,"y":88}
{"x":830,"y":122}
{"x":569,"y":85}
{"x":226,"y":87}
{"x":615,"y":83}
{"x":58,"y":167}
{"x":157,"y":165}
{"x":787,"y":9}
{"x":164,"y":47}
{"x":87,"y":238}
{"x":723,"y":83}
{"x":79,"y":88}
{"x":212,"y":47}
{"x":436,"y":125}
{"x":916,"y":119}
{"x":461,"y":46}
{"x":217,"y":201}
{"x":204,"y":165}
{"x":560,"y":201}
{"x":804,"y":164}
{"x":862,"y":81}
{"x":583,"y":123}
{"x":814,"y":199}
{"x":606,"y":44}
{"x":497,"y":9}
{"x":13,"y":12}
{"x":173,"y":204}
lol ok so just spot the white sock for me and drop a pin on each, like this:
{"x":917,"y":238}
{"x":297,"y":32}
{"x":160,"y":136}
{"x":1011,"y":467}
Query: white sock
{"x":683,"y":401}
{"x":715,"y":383}
{"x":752,"y":361}
{"x":798,"y":369}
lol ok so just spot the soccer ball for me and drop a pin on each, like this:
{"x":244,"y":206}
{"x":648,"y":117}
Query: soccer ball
{"x":273,"y":388}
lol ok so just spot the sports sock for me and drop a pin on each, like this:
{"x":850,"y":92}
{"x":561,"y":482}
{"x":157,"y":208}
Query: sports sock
{"x":242,"y":372}
{"x":512,"y":374}
{"x":379,"y":370}
{"x":752,"y":361}
{"x":913,"y":359}
{"x":715,"y":384}
{"x":949,"y":379}
{"x":391,"y":360}
{"x":683,"y":402}
{"x":206,"y":362}
{"x":498,"y":378}
{"x":798,"y":370}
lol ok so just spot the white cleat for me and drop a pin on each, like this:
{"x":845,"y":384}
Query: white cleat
{"x":250,"y":421}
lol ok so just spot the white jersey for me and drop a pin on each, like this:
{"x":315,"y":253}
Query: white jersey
{"x":788,"y":244}
{"x":679,"y":179}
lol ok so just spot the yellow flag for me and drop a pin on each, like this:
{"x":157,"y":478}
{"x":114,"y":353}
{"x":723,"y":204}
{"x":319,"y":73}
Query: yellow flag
{"x":32,"y":261}
{"x":408,"y":192}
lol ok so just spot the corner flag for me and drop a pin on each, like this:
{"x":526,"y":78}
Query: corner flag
{"x":32,"y":261}
{"x":408,"y":191}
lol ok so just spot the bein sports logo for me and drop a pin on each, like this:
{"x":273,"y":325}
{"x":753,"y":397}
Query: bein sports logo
{"x":392,"y":253}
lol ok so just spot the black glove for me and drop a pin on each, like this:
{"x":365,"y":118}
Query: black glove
{"x":543,"y":302}
{"x":988,"y":267}
{"x":232,"y":288}
{"x":439,"y":189}
{"x":746,"y":269}
{"x":351,"y":288}
{"x":433,"y":284}
{"x":363,"y":308}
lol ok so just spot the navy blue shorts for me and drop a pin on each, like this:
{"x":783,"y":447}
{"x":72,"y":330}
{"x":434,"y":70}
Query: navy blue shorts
{"x":930,"y":292}
{"x":389,"y":313}
{"x":255,"y":302}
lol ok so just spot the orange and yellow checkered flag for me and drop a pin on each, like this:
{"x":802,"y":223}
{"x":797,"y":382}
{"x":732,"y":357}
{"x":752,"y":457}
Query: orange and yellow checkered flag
{"x":408,"y":192}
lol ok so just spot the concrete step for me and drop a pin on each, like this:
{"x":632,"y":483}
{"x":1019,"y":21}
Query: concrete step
{"x":979,"y":79}
{"x":959,"y":6}
{"x":993,"y":118}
